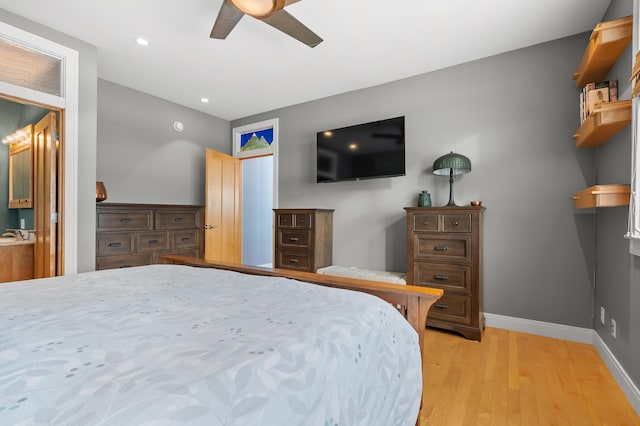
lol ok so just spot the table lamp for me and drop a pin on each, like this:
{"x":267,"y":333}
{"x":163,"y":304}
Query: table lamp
{"x":451,"y":164}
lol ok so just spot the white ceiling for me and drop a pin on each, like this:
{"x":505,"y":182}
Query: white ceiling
{"x":257,"y":68}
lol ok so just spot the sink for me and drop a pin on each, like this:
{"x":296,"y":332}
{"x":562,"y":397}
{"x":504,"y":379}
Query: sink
{"x":10,"y":241}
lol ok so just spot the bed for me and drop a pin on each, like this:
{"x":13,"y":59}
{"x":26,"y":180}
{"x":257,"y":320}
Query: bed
{"x":216,"y":344}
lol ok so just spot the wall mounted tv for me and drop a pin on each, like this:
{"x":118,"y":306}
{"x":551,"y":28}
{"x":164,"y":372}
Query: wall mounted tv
{"x":364,"y":151}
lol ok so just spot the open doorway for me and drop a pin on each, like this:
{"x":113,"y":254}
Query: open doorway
{"x":30,"y":172}
{"x":257,"y":211}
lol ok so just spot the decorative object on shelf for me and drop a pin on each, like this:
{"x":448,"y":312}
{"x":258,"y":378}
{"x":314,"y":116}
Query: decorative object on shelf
{"x":476,"y":203}
{"x":101,"y":192}
{"x":593,"y":95}
{"x":424,"y":199}
{"x":635,"y":77}
{"x":451,"y":164}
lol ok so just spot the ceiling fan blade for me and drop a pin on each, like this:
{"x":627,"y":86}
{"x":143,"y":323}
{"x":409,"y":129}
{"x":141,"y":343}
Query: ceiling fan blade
{"x":227,"y":19}
{"x":286,"y":23}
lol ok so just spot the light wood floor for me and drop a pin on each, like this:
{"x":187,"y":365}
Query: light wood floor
{"x":513,"y":378}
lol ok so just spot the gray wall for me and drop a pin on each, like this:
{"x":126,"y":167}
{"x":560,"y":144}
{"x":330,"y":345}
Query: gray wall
{"x":617,"y":271}
{"x":142,"y":159}
{"x":514,"y":116}
{"x":87,"y":102}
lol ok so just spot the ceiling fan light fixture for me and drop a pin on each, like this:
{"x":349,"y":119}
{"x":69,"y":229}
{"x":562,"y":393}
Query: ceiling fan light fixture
{"x":255,"y":7}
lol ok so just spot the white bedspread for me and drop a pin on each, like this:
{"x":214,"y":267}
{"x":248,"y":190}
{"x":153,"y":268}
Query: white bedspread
{"x":166,"y":344}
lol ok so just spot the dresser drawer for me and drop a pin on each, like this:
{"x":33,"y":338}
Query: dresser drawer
{"x":456,"y":222}
{"x":425,"y":222}
{"x":452,"y":307}
{"x":184,"y":239}
{"x":302,"y":220}
{"x":176,"y":219}
{"x":451,"y":278}
{"x":285,"y":220}
{"x":151,"y":241}
{"x":294,"y":238}
{"x":299,"y":261}
{"x":113,"y":244}
{"x":124,"y":220}
{"x":444,"y":248}
{"x":123,"y":261}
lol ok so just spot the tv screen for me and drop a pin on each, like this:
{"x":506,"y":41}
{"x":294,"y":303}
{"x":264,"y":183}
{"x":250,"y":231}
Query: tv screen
{"x":364,"y":151}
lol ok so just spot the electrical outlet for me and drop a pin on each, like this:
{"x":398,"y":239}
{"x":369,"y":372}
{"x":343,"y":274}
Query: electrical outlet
{"x":602,"y":315}
{"x":613,"y":328}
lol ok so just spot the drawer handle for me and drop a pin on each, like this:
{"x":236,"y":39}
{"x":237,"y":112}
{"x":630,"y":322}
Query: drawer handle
{"x":177,"y":219}
{"x":441,"y":305}
{"x":294,"y":239}
{"x":441,"y":277}
{"x":125,"y":220}
{"x":455,"y":223}
{"x":114,"y":244}
{"x":124,"y":266}
{"x":441,"y":248}
{"x":153,"y":241}
{"x":185,"y":238}
{"x":294,"y":260}
{"x":426,"y":222}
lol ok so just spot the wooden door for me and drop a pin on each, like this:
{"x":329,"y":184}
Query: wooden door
{"x":223,"y":210}
{"x":46,"y":196}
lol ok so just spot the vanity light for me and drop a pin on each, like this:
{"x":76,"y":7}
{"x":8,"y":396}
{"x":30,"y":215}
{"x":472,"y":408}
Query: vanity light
{"x":142,"y":42}
{"x":17,"y":137}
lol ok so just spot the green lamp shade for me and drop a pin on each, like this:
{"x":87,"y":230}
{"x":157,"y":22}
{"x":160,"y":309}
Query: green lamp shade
{"x":452,"y":162}
{"x":451,"y":165}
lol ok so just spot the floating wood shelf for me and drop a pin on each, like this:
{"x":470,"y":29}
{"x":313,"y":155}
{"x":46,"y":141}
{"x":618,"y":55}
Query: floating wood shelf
{"x":608,"y":41}
{"x":602,"y":196}
{"x":603,"y":123}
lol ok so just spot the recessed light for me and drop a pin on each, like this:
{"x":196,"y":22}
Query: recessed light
{"x":353,"y":146}
{"x":178,"y":126}
{"x":142,"y":42}
{"x":204,"y":100}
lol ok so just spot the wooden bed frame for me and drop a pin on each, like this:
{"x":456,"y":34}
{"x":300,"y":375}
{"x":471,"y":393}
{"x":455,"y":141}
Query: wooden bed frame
{"x":412,"y":301}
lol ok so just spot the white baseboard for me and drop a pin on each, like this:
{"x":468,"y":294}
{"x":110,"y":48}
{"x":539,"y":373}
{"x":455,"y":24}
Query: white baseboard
{"x":540,"y":328}
{"x":624,"y":381}
{"x":574,"y":334}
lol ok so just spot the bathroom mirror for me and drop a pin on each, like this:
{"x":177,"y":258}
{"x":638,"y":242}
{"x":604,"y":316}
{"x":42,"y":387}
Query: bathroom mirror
{"x":21,"y":170}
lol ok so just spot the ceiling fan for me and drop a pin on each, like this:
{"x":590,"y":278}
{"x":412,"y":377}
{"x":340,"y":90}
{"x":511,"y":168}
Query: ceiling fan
{"x":270,"y":11}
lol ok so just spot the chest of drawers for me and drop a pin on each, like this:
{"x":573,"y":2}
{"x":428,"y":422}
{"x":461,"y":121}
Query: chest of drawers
{"x":138,"y":234}
{"x":303,"y":238}
{"x":444,"y":250}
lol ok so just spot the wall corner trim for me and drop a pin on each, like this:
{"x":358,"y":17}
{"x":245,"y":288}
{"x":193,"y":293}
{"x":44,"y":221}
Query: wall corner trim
{"x":574,"y":334}
{"x":624,"y":381}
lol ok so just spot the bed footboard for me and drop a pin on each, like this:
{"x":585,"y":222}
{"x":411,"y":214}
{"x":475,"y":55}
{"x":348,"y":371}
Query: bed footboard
{"x":412,"y":301}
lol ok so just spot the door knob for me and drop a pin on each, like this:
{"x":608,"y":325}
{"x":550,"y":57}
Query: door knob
{"x":210,"y":226}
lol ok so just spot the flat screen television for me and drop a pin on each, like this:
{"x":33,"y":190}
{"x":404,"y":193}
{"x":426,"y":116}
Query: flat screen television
{"x":364,"y":151}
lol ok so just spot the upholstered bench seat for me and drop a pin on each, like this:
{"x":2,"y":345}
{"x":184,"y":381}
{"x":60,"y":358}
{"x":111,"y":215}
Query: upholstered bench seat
{"x":364,"y":274}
